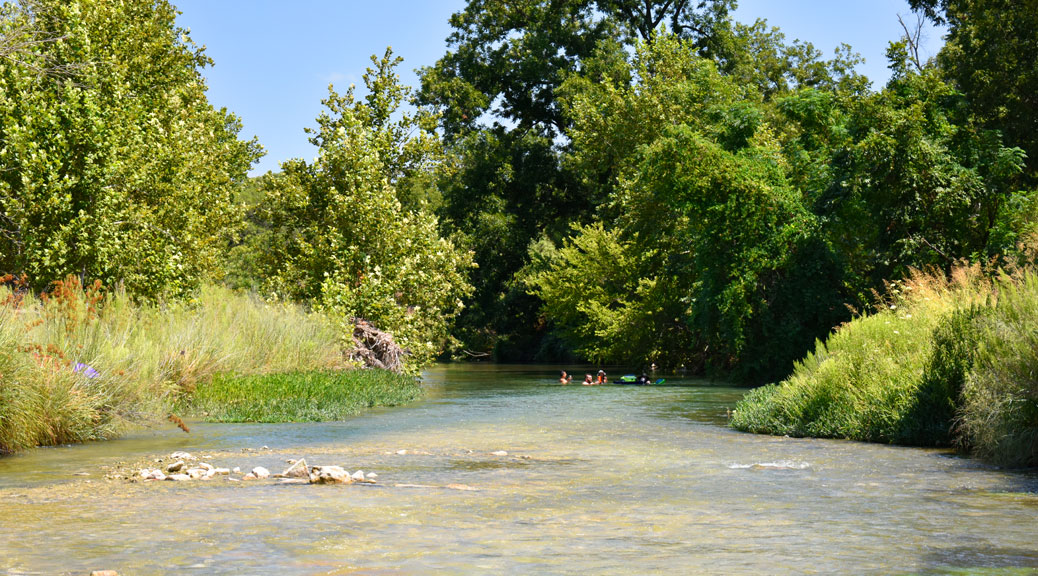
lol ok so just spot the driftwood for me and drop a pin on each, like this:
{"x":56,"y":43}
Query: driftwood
{"x":375,"y":348}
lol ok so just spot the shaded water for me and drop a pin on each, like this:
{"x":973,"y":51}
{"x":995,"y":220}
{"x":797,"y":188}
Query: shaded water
{"x":597,"y":480}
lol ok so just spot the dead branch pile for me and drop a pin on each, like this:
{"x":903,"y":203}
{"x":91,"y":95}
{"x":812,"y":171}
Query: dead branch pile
{"x":375,"y":348}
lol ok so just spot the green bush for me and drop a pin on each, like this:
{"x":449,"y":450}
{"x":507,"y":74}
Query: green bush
{"x":880,"y":378}
{"x":998,"y":420}
{"x":950,"y":364}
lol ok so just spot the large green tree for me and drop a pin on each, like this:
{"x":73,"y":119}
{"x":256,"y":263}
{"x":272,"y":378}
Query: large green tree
{"x":113,"y":165}
{"x":991,"y":56}
{"x":336,"y":233}
{"x":707,"y":249}
{"x":502,"y":89}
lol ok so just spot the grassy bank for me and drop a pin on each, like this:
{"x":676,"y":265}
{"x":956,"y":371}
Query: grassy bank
{"x":77,"y":364}
{"x":944,"y":362}
{"x":297,"y":397}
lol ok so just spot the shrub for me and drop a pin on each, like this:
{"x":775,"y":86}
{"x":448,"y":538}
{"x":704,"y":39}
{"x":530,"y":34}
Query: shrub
{"x":998,"y":420}
{"x":881,"y":377}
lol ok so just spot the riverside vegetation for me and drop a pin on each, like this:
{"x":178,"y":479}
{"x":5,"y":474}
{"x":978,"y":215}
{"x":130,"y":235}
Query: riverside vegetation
{"x":615,"y":181}
{"x":79,"y":364}
{"x":942,"y":362}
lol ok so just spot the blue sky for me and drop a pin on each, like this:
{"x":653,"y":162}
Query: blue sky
{"x":274,"y":59}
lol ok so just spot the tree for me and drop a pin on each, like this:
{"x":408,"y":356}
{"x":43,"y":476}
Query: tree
{"x":339,"y":235}
{"x":498,"y":87}
{"x":990,"y":55}
{"x":911,"y":182}
{"x":705,"y":249}
{"x":114,"y":165}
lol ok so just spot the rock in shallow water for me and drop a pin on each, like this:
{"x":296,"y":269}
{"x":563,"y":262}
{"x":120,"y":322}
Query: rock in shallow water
{"x":298,"y":469}
{"x":176,"y":466}
{"x":329,"y":475}
{"x":260,"y":472}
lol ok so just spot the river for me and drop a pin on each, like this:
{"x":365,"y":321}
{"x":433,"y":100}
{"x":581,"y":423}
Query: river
{"x":501,"y":470}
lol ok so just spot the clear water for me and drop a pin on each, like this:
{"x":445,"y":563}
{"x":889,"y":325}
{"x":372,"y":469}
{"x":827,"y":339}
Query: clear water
{"x":597,"y":480}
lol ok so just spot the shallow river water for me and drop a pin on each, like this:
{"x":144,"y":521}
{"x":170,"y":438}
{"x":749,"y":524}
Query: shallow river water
{"x":596,"y":480}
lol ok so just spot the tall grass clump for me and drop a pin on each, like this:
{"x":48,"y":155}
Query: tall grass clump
{"x":48,"y":393}
{"x":78,"y":363}
{"x":878,"y":378}
{"x":315,"y":396}
{"x":998,"y":420}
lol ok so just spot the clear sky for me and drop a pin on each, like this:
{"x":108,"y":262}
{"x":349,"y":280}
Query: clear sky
{"x":275,"y":59}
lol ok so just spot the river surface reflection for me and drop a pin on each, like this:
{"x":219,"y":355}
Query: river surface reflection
{"x":501,"y":470}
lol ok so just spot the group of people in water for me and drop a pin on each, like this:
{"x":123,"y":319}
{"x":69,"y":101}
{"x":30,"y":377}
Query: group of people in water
{"x":588,"y":380}
{"x":642,"y":380}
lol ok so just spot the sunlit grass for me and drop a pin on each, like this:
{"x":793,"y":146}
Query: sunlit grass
{"x":944,"y":363}
{"x":999,"y":416}
{"x":141,"y":358}
{"x":298,"y":397}
{"x":867,"y":380}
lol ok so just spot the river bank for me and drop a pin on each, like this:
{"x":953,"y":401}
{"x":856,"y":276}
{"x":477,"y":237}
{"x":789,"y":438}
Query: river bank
{"x":82,"y":364}
{"x":942,"y":362}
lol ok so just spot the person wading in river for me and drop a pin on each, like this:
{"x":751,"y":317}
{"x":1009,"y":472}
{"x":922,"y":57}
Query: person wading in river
{"x":602,"y":379}
{"x":566,"y":378}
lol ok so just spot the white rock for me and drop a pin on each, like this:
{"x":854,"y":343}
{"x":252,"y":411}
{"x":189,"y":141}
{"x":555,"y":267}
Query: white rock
{"x":249,"y":476}
{"x":358,"y":475}
{"x":401,"y":452}
{"x":176,"y":466}
{"x":157,"y":475}
{"x":298,"y":469}
{"x":178,"y":477}
{"x":205,"y":466}
{"x":179,"y":455}
{"x":236,"y":470}
{"x":222,"y":471}
{"x":329,"y":475}
{"x":195,"y":473}
{"x":145,"y":473}
{"x":372,"y":475}
{"x":500,"y":453}
{"x":260,"y":472}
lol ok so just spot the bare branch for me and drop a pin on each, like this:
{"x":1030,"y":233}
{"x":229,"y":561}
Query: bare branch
{"x":913,"y":39}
